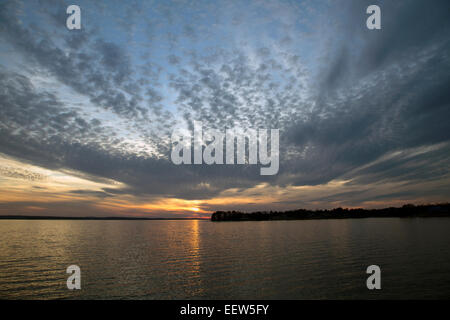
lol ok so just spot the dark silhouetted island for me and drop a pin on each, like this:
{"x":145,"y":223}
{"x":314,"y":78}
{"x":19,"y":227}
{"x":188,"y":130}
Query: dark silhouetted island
{"x":408,"y":210}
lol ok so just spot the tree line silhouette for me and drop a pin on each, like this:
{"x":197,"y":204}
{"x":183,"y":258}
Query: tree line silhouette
{"x":407,"y":210}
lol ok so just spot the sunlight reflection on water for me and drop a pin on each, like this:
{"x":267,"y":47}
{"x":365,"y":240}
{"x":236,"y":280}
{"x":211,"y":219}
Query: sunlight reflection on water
{"x":229,"y":260}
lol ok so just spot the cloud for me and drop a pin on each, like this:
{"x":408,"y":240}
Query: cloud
{"x":21,"y":174}
{"x":103,"y":102}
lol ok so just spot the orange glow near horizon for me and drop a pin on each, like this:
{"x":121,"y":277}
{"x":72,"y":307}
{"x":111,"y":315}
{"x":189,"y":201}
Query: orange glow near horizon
{"x":27,"y":189}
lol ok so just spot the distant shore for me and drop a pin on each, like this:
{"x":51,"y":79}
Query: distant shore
{"x":88,"y":218}
{"x":406,"y":211}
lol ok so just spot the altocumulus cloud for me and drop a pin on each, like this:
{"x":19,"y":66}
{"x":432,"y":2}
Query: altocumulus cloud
{"x":355,"y":106}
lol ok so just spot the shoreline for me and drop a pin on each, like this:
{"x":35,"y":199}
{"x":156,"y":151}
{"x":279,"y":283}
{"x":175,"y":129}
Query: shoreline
{"x":406,"y":211}
{"x":90,"y":218}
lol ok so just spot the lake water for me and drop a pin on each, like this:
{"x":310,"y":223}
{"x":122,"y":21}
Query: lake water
{"x":313,"y":259}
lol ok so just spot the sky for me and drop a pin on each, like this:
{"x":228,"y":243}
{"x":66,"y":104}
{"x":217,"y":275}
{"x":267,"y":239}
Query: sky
{"x":86,"y":115}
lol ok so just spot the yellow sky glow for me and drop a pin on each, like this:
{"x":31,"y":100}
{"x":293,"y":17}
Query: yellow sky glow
{"x":29,"y":189}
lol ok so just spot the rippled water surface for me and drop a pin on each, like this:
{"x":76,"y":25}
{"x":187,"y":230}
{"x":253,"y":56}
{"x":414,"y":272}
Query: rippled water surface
{"x":311,"y":259}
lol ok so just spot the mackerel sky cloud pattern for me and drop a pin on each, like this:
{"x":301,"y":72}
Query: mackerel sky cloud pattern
{"x":86,"y":115}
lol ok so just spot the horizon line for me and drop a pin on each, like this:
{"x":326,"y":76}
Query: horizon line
{"x":28,"y":217}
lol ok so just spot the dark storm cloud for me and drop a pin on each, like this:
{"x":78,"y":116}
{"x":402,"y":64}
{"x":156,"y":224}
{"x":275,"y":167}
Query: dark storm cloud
{"x":387,"y":95}
{"x":417,"y":165}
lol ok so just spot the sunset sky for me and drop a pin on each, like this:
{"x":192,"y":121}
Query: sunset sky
{"x":86,"y":115}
